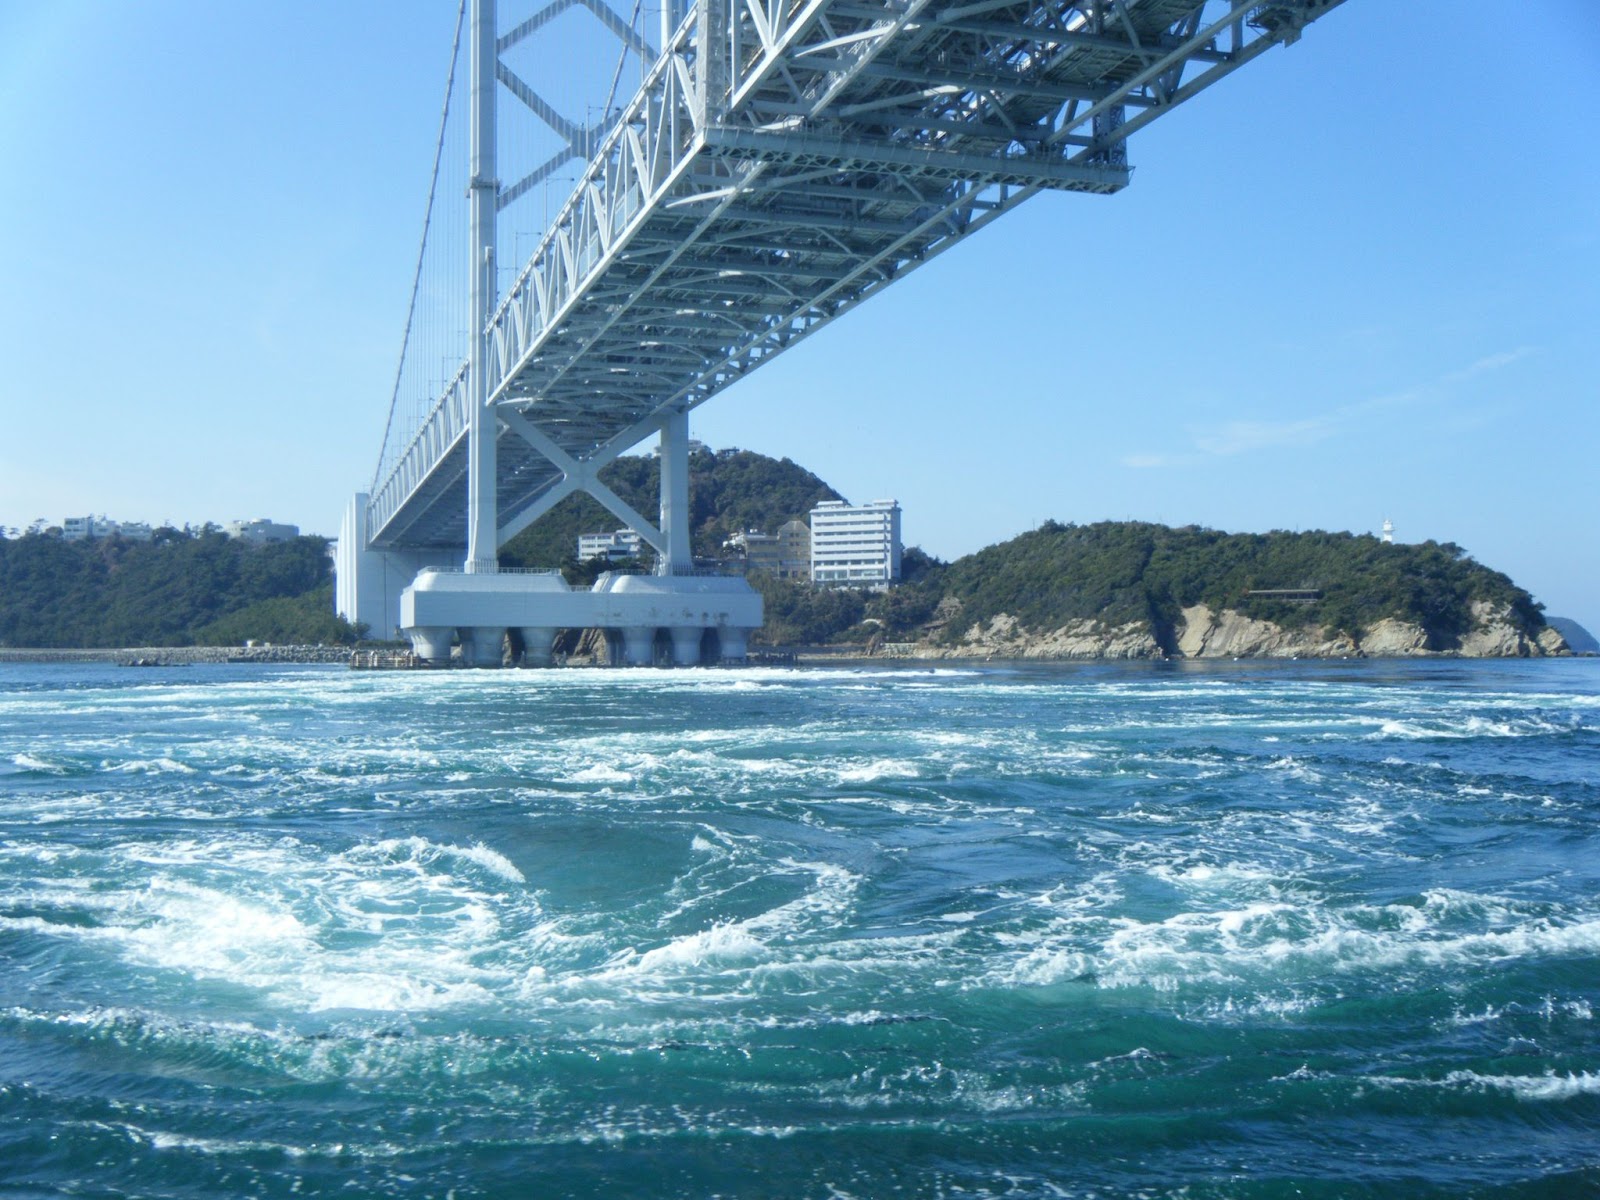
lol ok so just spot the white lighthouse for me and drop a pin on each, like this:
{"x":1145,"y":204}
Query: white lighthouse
{"x":1388,"y":530}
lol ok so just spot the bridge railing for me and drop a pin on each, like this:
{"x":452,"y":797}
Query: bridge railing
{"x":442,"y":428}
{"x":635,"y":163}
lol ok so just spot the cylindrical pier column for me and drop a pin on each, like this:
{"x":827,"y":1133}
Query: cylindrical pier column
{"x":686,"y":645}
{"x":732,"y":642}
{"x":431,"y":643}
{"x":482,"y":646}
{"x":537,"y":643}
{"x":639,"y":645}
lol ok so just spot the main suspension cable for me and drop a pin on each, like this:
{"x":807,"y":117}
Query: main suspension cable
{"x":427,"y":220}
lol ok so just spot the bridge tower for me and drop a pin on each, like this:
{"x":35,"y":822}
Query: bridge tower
{"x":395,"y":590}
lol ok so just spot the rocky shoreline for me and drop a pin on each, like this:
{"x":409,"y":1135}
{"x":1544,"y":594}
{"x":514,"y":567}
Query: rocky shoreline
{"x":1200,"y":634}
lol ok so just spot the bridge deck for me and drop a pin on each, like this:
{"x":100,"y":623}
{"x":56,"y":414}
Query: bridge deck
{"x":778,"y":168}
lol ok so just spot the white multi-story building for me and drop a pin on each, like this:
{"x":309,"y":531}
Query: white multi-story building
{"x":261,"y":531}
{"x":623,"y":543}
{"x":855,"y":547}
{"x":77,"y":529}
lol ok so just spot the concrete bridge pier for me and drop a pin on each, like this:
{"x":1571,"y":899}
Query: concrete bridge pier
{"x":638,"y":645}
{"x":482,"y":645}
{"x":538,"y":645}
{"x":733,"y":642}
{"x":431,"y":642}
{"x":686,"y":645}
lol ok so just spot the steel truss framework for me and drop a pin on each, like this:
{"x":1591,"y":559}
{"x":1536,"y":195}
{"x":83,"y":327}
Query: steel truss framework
{"x":783,"y":161}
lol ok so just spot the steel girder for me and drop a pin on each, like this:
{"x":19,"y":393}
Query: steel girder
{"x":783,"y":161}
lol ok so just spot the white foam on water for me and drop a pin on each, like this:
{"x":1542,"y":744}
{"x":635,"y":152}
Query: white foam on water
{"x":1273,"y":944}
{"x":1459,"y":726}
{"x":396,"y":925}
{"x":882,"y":768}
{"x":493,"y":860}
{"x":1209,"y":877}
{"x":153,"y":766}
{"x":217,"y":1147}
{"x":1488,"y":1015}
{"x":228,"y":1147}
{"x":1549,"y":1086}
{"x":721,"y":943}
{"x":1444,"y":904}
{"x":31,"y":762}
{"x":599,"y":773}
{"x":724,"y":956}
{"x":1274,"y":1006}
{"x":206,"y":933}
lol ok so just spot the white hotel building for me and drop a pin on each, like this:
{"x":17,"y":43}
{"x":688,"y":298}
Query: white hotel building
{"x":855,"y":547}
{"x":624,"y":543}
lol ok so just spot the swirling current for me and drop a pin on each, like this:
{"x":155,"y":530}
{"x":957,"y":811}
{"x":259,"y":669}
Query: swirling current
{"x":1224,"y":931}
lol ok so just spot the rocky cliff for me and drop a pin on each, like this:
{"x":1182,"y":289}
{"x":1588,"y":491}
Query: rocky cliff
{"x":1202,"y":633}
{"x":1004,"y":637}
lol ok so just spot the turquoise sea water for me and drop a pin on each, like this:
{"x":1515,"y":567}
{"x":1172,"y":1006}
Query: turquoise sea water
{"x":1238,"y":930}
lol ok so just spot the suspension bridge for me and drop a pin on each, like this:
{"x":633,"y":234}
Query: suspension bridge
{"x":776,"y":163}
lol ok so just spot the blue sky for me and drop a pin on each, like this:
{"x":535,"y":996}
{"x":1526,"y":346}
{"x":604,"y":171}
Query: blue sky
{"x":1358,"y":279}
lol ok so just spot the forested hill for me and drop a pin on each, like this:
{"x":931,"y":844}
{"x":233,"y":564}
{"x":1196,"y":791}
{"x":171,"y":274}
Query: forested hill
{"x":1122,"y":571}
{"x":181,"y":588}
{"x":1118,"y":573}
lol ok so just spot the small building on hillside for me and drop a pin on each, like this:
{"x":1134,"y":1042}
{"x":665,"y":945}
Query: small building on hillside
{"x":794,"y":550}
{"x":760,"y":550}
{"x":785,"y":554}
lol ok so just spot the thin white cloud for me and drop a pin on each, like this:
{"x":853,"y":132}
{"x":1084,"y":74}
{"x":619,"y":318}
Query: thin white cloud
{"x":1244,"y":437}
{"x":1150,"y":461}
{"x":1491,"y":362}
{"x":1241,"y":437}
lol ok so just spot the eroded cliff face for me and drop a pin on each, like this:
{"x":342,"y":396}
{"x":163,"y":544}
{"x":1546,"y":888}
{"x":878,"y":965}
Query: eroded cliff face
{"x":1494,"y":636}
{"x":1231,"y":634}
{"x":1003,"y":637}
{"x":1202,"y":633}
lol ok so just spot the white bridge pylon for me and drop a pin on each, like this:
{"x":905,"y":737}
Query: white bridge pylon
{"x":782,"y":161}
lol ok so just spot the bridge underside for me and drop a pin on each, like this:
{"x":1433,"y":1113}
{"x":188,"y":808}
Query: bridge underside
{"x":780,"y":165}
